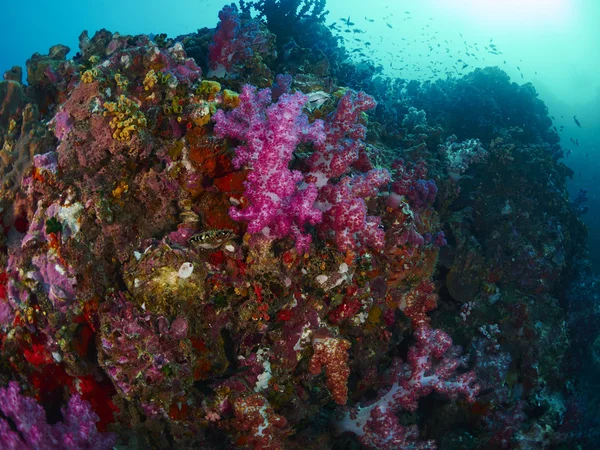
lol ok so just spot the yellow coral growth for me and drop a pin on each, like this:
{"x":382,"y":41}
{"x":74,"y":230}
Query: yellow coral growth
{"x":127,"y":118}
{"x":122,"y":82}
{"x":164,"y":77}
{"x":121,"y":188}
{"x":176,"y":106}
{"x":89,"y":75}
{"x":209,"y":89}
{"x":202,"y":120}
{"x":12,"y":126}
{"x":150,"y":80}
{"x":231,"y":98}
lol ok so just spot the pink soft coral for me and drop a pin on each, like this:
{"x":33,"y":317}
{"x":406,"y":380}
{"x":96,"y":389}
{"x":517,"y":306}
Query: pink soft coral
{"x":277,"y":206}
{"x":431,"y":366}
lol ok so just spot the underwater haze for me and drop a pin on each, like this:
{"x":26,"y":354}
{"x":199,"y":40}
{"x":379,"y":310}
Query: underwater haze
{"x":284,"y":224}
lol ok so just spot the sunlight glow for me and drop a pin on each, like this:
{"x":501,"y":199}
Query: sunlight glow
{"x":524,"y":12}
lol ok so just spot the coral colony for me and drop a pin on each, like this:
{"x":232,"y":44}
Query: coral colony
{"x":234,"y":239}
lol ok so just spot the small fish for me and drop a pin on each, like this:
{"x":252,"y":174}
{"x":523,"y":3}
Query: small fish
{"x":576,"y":121}
{"x":317,"y":99}
{"x":347,"y":21}
{"x":211,"y":239}
{"x":369,"y":20}
{"x":389,"y":26}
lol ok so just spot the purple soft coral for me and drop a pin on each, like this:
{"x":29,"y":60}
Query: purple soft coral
{"x":235,"y":41}
{"x":277,"y":206}
{"x":23,"y":425}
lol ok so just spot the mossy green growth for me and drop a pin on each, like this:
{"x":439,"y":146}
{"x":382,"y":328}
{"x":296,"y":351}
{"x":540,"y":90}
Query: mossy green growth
{"x":176,"y":150}
{"x":53,"y":226}
{"x":220,"y":300}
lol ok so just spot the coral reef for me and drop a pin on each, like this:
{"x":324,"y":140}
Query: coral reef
{"x":196,"y":253}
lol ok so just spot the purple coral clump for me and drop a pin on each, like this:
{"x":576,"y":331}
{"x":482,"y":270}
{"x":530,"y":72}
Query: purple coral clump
{"x":140,"y":349}
{"x":56,"y":280}
{"x":409,"y":181}
{"x":62,"y":124}
{"x":282,"y":85}
{"x":234,"y":42}
{"x":46,"y":162}
{"x":23,"y":425}
{"x":277,"y":206}
{"x":7,"y":313}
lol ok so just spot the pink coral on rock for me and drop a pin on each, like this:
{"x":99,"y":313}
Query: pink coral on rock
{"x":418,"y":302}
{"x":332,"y":354}
{"x":270,"y":133}
{"x":139,"y":350}
{"x":431,"y":366}
{"x":254,"y":415}
{"x":345,"y":211}
{"x":409,"y":182}
{"x":344,"y":138}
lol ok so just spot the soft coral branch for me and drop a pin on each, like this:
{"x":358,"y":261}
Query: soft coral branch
{"x":270,"y":133}
{"x":431,"y":366}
